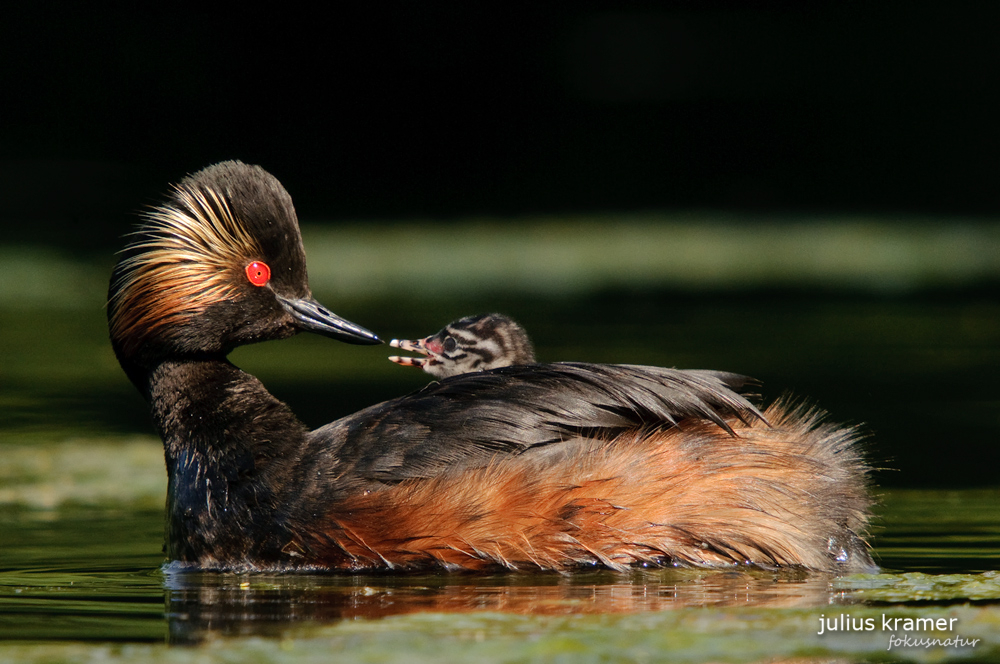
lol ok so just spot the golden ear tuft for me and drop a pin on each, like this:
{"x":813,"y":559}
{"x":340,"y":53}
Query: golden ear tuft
{"x":184,"y":259}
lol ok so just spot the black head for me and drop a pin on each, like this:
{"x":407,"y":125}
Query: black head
{"x":219,"y":265}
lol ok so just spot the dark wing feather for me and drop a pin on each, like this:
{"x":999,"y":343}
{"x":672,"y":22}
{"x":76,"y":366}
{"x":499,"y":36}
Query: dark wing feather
{"x":468,"y":420}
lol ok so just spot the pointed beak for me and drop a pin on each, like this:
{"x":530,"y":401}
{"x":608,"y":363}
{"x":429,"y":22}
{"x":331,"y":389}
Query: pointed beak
{"x":312,"y":316}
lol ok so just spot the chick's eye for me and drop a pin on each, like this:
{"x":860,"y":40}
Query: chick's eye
{"x":449,"y":344}
{"x":258,"y":273}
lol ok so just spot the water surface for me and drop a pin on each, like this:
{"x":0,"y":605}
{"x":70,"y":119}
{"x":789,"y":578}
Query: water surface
{"x":82,"y":479}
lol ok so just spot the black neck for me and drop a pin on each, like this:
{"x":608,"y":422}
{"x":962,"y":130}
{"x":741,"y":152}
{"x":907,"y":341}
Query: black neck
{"x":232,"y":452}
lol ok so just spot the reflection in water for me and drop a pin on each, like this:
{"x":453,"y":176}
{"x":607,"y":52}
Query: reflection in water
{"x":205,"y":605}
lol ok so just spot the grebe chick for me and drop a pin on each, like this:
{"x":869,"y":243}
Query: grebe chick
{"x":473,"y":343}
{"x":544,"y":466}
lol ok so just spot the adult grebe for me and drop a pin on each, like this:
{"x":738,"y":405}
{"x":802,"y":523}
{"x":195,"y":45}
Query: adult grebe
{"x":550,"y":466}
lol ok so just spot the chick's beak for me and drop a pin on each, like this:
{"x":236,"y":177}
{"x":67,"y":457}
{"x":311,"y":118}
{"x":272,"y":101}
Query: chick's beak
{"x":416,"y":346}
{"x":312,"y":316}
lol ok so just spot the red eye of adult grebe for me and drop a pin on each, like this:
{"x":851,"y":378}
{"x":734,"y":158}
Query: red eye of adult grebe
{"x":258,"y":273}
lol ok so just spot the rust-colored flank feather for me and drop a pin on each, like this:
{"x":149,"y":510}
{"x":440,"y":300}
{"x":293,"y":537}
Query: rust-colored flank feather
{"x":684,"y":495}
{"x":186,"y":257}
